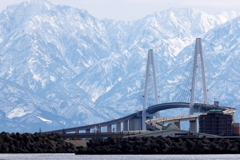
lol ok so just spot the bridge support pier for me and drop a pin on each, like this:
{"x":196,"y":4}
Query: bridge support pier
{"x":118,"y":125}
{"x":109,"y":128}
{"x":178,"y":124}
{"x":77,"y":131}
{"x":193,"y":126}
{"x":99,"y":129}
{"x":126,"y":125}
{"x":135,"y":124}
{"x":87,"y":130}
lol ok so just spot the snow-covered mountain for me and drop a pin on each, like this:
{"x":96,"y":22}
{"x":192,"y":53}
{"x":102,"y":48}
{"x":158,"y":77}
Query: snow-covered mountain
{"x":62,"y":67}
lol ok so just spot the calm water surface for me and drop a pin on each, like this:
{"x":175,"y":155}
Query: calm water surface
{"x":116,"y":157}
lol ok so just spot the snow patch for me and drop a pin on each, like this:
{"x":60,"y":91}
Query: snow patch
{"x":52,"y":78}
{"x":18,"y":112}
{"x":172,"y":81}
{"x":218,"y":48}
{"x":108,"y":88}
{"x":63,"y":122}
{"x":45,"y":120}
{"x":138,"y":83}
{"x":36,"y":77}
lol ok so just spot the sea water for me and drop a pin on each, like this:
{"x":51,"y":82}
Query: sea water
{"x":116,"y":157}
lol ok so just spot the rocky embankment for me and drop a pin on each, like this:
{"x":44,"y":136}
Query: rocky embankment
{"x":161,"y":145}
{"x":34,"y":143}
{"x":53,"y":143}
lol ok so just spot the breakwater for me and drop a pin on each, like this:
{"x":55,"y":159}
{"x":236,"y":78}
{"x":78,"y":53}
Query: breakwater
{"x":53,"y":143}
{"x":161,"y":145}
{"x":34,"y":143}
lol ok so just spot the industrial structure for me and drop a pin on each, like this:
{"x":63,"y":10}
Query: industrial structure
{"x":142,"y":120}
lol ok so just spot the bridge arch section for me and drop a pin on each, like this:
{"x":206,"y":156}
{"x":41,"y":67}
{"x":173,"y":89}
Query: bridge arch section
{"x":197,"y":107}
{"x":163,"y":106}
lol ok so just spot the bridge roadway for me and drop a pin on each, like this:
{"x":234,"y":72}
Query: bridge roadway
{"x":133,"y":121}
{"x":157,"y":124}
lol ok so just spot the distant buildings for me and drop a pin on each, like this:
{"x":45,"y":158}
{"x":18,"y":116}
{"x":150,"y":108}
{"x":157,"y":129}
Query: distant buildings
{"x":170,"y":126}
{"x":236,"y":128}
{"x":215,"y":122}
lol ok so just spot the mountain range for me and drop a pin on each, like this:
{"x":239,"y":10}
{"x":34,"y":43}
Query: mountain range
{"x":62,"y":67}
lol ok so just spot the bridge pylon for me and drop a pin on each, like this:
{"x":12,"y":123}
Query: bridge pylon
{"x":198,"y":51}
{"x":150,"y":71}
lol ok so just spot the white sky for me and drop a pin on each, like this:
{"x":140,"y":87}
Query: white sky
{"x":136,"y":9}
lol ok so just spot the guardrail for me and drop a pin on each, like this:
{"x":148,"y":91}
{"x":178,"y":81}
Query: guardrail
{"x":99,"y":135}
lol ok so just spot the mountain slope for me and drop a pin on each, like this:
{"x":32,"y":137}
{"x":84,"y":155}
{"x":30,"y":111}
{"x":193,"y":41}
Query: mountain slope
{"x":62,"y":67}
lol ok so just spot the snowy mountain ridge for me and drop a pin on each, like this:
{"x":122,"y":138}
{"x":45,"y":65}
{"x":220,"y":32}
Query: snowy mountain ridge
{"x":62,"y":67}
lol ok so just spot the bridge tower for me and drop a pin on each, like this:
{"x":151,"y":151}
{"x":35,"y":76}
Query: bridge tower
{"x":198,"y":51}
{"x":150,"y":71}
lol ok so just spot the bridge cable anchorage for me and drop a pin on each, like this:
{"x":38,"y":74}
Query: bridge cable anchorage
{"x":150,"y":67}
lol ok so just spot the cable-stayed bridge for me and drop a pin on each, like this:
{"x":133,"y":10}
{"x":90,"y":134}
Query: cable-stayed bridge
{"x":143,"y":119}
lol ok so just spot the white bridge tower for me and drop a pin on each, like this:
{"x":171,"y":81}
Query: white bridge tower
{"x":150,"y":71}
{"x":198,"y":51}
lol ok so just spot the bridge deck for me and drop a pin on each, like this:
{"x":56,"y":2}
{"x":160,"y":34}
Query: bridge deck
{"x":198,"y":107}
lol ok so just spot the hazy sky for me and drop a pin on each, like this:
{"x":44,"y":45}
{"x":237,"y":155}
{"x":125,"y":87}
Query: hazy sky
{"x":136,"y":9}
